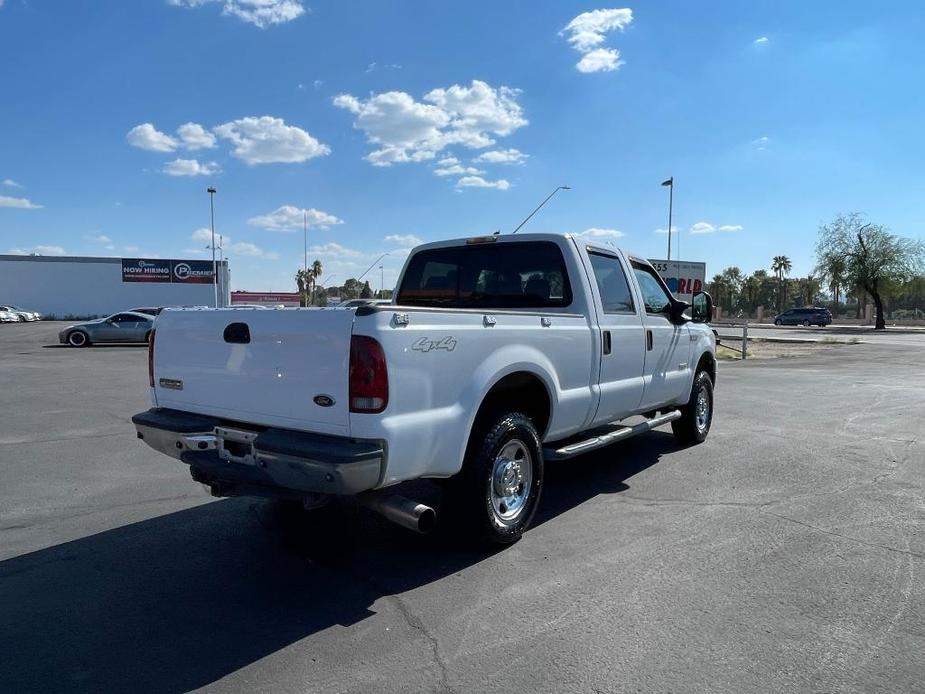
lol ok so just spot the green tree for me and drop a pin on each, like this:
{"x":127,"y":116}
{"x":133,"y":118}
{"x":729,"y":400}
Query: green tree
{"x":832,"y":272}
{"x":781,"y":266}
{"x":875,"y":259}
{"x":366,"y":292}
{"x":314,"y":272}
{"x":303,"y":281}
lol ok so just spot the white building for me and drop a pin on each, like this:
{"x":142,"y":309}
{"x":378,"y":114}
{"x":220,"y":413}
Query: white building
{"x":71,"y":286}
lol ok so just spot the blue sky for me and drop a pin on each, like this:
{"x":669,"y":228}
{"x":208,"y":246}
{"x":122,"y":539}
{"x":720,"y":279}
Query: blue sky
{"x":397,"y":121}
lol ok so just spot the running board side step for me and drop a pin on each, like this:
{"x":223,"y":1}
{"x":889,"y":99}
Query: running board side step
{"x":604,"y":436}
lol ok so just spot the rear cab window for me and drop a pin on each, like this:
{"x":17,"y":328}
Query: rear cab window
{"x":528,"y":274}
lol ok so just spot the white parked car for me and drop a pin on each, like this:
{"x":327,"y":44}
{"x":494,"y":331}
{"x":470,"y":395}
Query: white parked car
{"x":8,"y":317}
{"x":21,"y":313}
{"x":499,"y":353}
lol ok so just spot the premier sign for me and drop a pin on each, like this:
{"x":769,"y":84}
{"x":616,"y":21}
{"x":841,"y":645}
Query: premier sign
{"x":168,"y":271}
{"x":683,"y":277}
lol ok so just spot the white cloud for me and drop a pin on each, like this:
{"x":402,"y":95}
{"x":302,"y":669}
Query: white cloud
{"x":98,"y":238}
{"x":317,"y":83}
{"x":502,"y":156}
{"x":130,"y":249}
{"x":406,"y":130}
{"x":599,"y":60}
{"x":761,"y":143}
{"x":479,"y":182}
{"x":146,"y":136}
{"x":702,"y":228}
{"x":251,"y":250}
{"x":190,"y":167}
{"x":760,"y":40}
{"x":290,"y":218}
{"x":596,"y":232}
{"x":586,"y":33}
{"x":20,"y":203}
{"x":260,"y":13}
{"x":38,"y":250}
{"x":11,"y":183}
{"x":204,"y":235}
{"x":457,"y":170}
{"x":335,"y":250}
{"x":674,"y":230}
{"x":268,"y":140}
{"x":404,"y":240}
{"x":194,"y":136}
{"x":707,"y":228}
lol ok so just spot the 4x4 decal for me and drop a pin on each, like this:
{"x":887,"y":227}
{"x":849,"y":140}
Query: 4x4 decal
{"x":426,"y":344}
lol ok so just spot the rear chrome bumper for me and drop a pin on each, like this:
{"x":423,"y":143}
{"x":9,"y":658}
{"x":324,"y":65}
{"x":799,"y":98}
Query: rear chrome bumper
{"x":285,"y":463}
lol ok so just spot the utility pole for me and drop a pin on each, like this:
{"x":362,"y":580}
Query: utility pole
{"x":381,"y":283}
{"x":305,"y":240}
{"x":211,"y":191}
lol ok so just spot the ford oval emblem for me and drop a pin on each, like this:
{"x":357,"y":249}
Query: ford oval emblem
{"x":323,"y":400}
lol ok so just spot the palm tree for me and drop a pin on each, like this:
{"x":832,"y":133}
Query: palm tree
{"x":303,"y":281}
{"x":314,"y":273}
{"x":833,"y":271}
{"x":781,"y":266}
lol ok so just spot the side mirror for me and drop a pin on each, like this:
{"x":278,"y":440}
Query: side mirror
{"x":675,"y":311}
{"x":701,"y":308}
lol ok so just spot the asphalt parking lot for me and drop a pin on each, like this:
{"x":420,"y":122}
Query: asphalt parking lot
{"x":785,"y":553}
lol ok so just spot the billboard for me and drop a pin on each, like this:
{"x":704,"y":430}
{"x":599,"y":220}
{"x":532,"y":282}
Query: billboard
{"x":683,"y":277}
{"x":169,"y":271}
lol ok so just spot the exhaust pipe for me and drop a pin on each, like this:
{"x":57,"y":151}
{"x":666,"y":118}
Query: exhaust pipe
{"x":406,"y":512}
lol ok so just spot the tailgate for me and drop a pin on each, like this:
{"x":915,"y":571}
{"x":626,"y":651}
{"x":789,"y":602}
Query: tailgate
{"x":273,"y":372}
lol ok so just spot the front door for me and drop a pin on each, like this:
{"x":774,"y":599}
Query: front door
{"x":621,"y":338}
{"x":668,"y":344}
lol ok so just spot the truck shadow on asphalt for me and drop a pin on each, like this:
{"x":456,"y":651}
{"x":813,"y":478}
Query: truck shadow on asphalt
{"x":179,"y":601}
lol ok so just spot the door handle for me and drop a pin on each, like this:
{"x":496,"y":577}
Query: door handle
{"x":649,"y":340}
{"x":607,"y":344}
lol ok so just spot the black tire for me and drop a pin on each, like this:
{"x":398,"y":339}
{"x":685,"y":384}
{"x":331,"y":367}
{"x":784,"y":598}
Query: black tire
{"x":78,"y":338}
{"x":692,"y":427}
{"x":806,"y":324}
{"x":475,"y":491}
{"x":777,"y":322}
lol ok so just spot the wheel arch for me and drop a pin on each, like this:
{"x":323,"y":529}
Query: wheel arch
{"x":521,"y":390}
{"x":707,"y":362}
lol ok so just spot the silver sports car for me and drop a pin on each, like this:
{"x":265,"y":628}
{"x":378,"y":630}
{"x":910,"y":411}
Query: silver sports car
{"x":119,"y":327}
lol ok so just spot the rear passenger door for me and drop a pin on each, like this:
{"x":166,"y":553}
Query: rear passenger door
{"x":621,"y":337}
{"x":668,"y":344}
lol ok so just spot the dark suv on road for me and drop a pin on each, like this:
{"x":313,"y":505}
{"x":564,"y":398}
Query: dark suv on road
{"x":804,"y":316}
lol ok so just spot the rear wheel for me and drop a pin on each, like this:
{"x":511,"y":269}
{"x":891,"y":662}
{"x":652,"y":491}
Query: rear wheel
{"x":777,"y":321}
{"x":697,"y":415}
{"x":805,"y":323}
{"x":498,"y":490}
{"x":78,"y":338}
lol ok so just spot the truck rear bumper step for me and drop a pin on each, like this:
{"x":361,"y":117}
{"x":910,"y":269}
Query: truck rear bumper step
{"x":290,"y":461}
{"x":604,"y":436}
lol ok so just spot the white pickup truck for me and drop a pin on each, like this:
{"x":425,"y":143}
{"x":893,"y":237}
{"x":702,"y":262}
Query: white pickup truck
{"x":498,"y":353}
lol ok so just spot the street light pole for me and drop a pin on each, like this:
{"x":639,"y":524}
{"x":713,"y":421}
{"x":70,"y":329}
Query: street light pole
{"x":381,"y":283}
{"x":304,"y":241}
{"x":539,"y":206}
{"x":211,"y":191}
{"x":670,"y":184}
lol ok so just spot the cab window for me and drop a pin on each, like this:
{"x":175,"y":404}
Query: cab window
{"x":611,"y":283}
{"x":654,"y":295}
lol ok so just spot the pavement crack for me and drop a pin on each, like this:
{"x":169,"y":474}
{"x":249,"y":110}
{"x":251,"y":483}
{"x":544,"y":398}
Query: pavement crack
{"x":418,"y":625}
{"x":907,"y":552}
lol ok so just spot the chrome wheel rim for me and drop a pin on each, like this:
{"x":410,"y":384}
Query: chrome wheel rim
{"x":77,"y":339}
{"x":702,"y":410}
{"x":511,"y":481}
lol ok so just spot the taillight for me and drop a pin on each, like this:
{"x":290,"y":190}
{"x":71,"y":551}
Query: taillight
{"x":151,"y":358}
{"x":369,"y":378}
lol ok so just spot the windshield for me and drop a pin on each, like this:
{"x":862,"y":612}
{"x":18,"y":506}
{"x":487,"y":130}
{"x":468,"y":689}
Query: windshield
{"x":508,"y":275}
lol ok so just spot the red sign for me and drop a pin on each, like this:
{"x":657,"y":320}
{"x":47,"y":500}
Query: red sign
{"x":286,"y":298}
